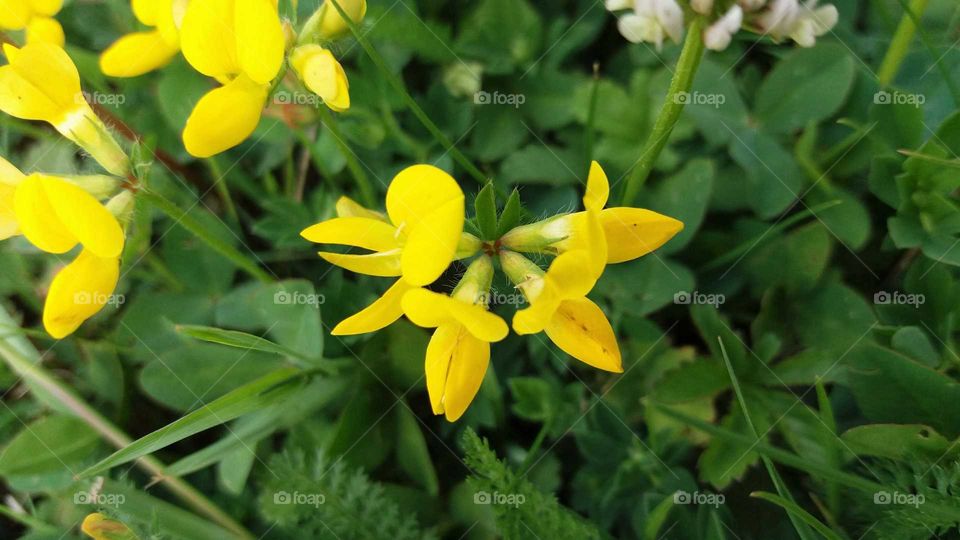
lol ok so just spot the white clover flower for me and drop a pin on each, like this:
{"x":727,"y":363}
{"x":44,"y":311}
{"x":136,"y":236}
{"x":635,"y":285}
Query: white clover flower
{"x":717,"y":37}
{"x":801,"y":23}
{"x":703,"y":7}
{"x":651,"y":20}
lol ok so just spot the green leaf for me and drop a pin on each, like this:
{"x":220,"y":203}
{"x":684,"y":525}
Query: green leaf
{"x":240,"y":340}
{"x":510,"y":216}
{"x":808,"y":85}
{"x":906,"y":442}
{"x":49,"y":444}
{"x":248,"y":398}
{"x":485,"y":206}
{"x":412,"y":453}
{"x":773,"y":175}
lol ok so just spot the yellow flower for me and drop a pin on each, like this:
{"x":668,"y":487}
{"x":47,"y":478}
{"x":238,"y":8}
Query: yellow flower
{"x":10,"y":178}
{"x":100,"y":527}
{"x":42,"y":83}
{"x":322,"y":75}
{"x":326,"y":23}
{"x":241,"y":44}
{"x":141,"y":52}
{"x":56,"y":215}
{"x":459,"y":351}
{"x":418,"y":238}
{"x":629,"y":232}
{"x":559,"y":307}
{"x":34,"y":16}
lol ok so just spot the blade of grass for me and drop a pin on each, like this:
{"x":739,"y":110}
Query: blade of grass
{"x":250,"y":397}
{"x":802,"y":530}
{"x":408,"y":99}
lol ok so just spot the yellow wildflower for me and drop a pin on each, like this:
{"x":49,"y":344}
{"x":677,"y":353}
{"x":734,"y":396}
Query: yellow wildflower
{"x":322,"y":75}
{"x":42,"y":83}
{"x":141,"y":52}
{"x":629,"y":232}
{"x":417,"y":239}
{"x":459,"y":351}
{"x":100,"y":527}
{"x":241,"y":44}
{"x":326,"y":23}
{"x":35,"y":17}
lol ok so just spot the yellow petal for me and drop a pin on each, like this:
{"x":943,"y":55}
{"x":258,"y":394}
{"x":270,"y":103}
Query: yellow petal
{"x":224,"y":117}
{"x":384,"y":264}
{"x":568,"y":274}
{"x":136,"y":54}
{"x":598,"y":188}
{"x":78,"y":292}
{"x":86,"y":219}
{"x":55,"y":215}
{"x":46,"y":8}
{"x":9,"y":173}
{"x":38,"y":219}
{"x":9,"y":226}
{"x":361,"y":232}
{"x":45,"y":30}
{"x":431,"y":310}
{"x":634,"y":232}
{"x":431,"y":243}
{"x":380,"y":314}
{"x":147,"y":11}
{"x":260,"y":40}
{"x":322,"y":75}
{"x":581,"y":330}
{"x":100,"y":527}
{"x":14,"y":14}
{"x":40,"y":83}
{"x":347,"y":207}
{"x":468,"y":366}
{"x":437,"y":363}
{"x":417,"y":191}
{"x":535,"y":317}
{"x":207,"y":37}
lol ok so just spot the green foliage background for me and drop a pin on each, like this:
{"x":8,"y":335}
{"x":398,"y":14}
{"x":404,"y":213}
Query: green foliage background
{"x":801,"y":213}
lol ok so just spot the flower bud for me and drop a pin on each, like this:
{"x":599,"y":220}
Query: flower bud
{"x":322,"y":75}
{"x":475,"y":284}
{"x":326,"y":23}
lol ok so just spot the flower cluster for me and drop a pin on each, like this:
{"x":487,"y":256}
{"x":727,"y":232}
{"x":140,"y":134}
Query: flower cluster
{"x":58,"y":213}
{"x":244,"y":45}
{"x":653,"y":20}
{"x":422,"y":233}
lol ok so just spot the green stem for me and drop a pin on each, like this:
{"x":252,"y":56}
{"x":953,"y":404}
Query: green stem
{"x":408,"y":99}
{"x":592,"y":112}
{"x":681,"y":83}
{"x":219,"y":182}
{"x":900,"y":44}
{"x":534,"y":449}
{"x":17,"y":353}
{"x":183,"y":218}
{"x":353,"y":164}
{"x":934,"y":55}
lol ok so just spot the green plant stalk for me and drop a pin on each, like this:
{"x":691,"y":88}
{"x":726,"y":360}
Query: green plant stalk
{"x":219,"y":182}
{"x":183,"y":218}
{"x":27,"y":520}
{"x":900,"y":44}
{"x":592,"y":112}
{"x":63,"y":397}
{"x":408,"y":99}
{"x":941,"y":67}
{"x":353,"y":164}
{"x":681,"y":82}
